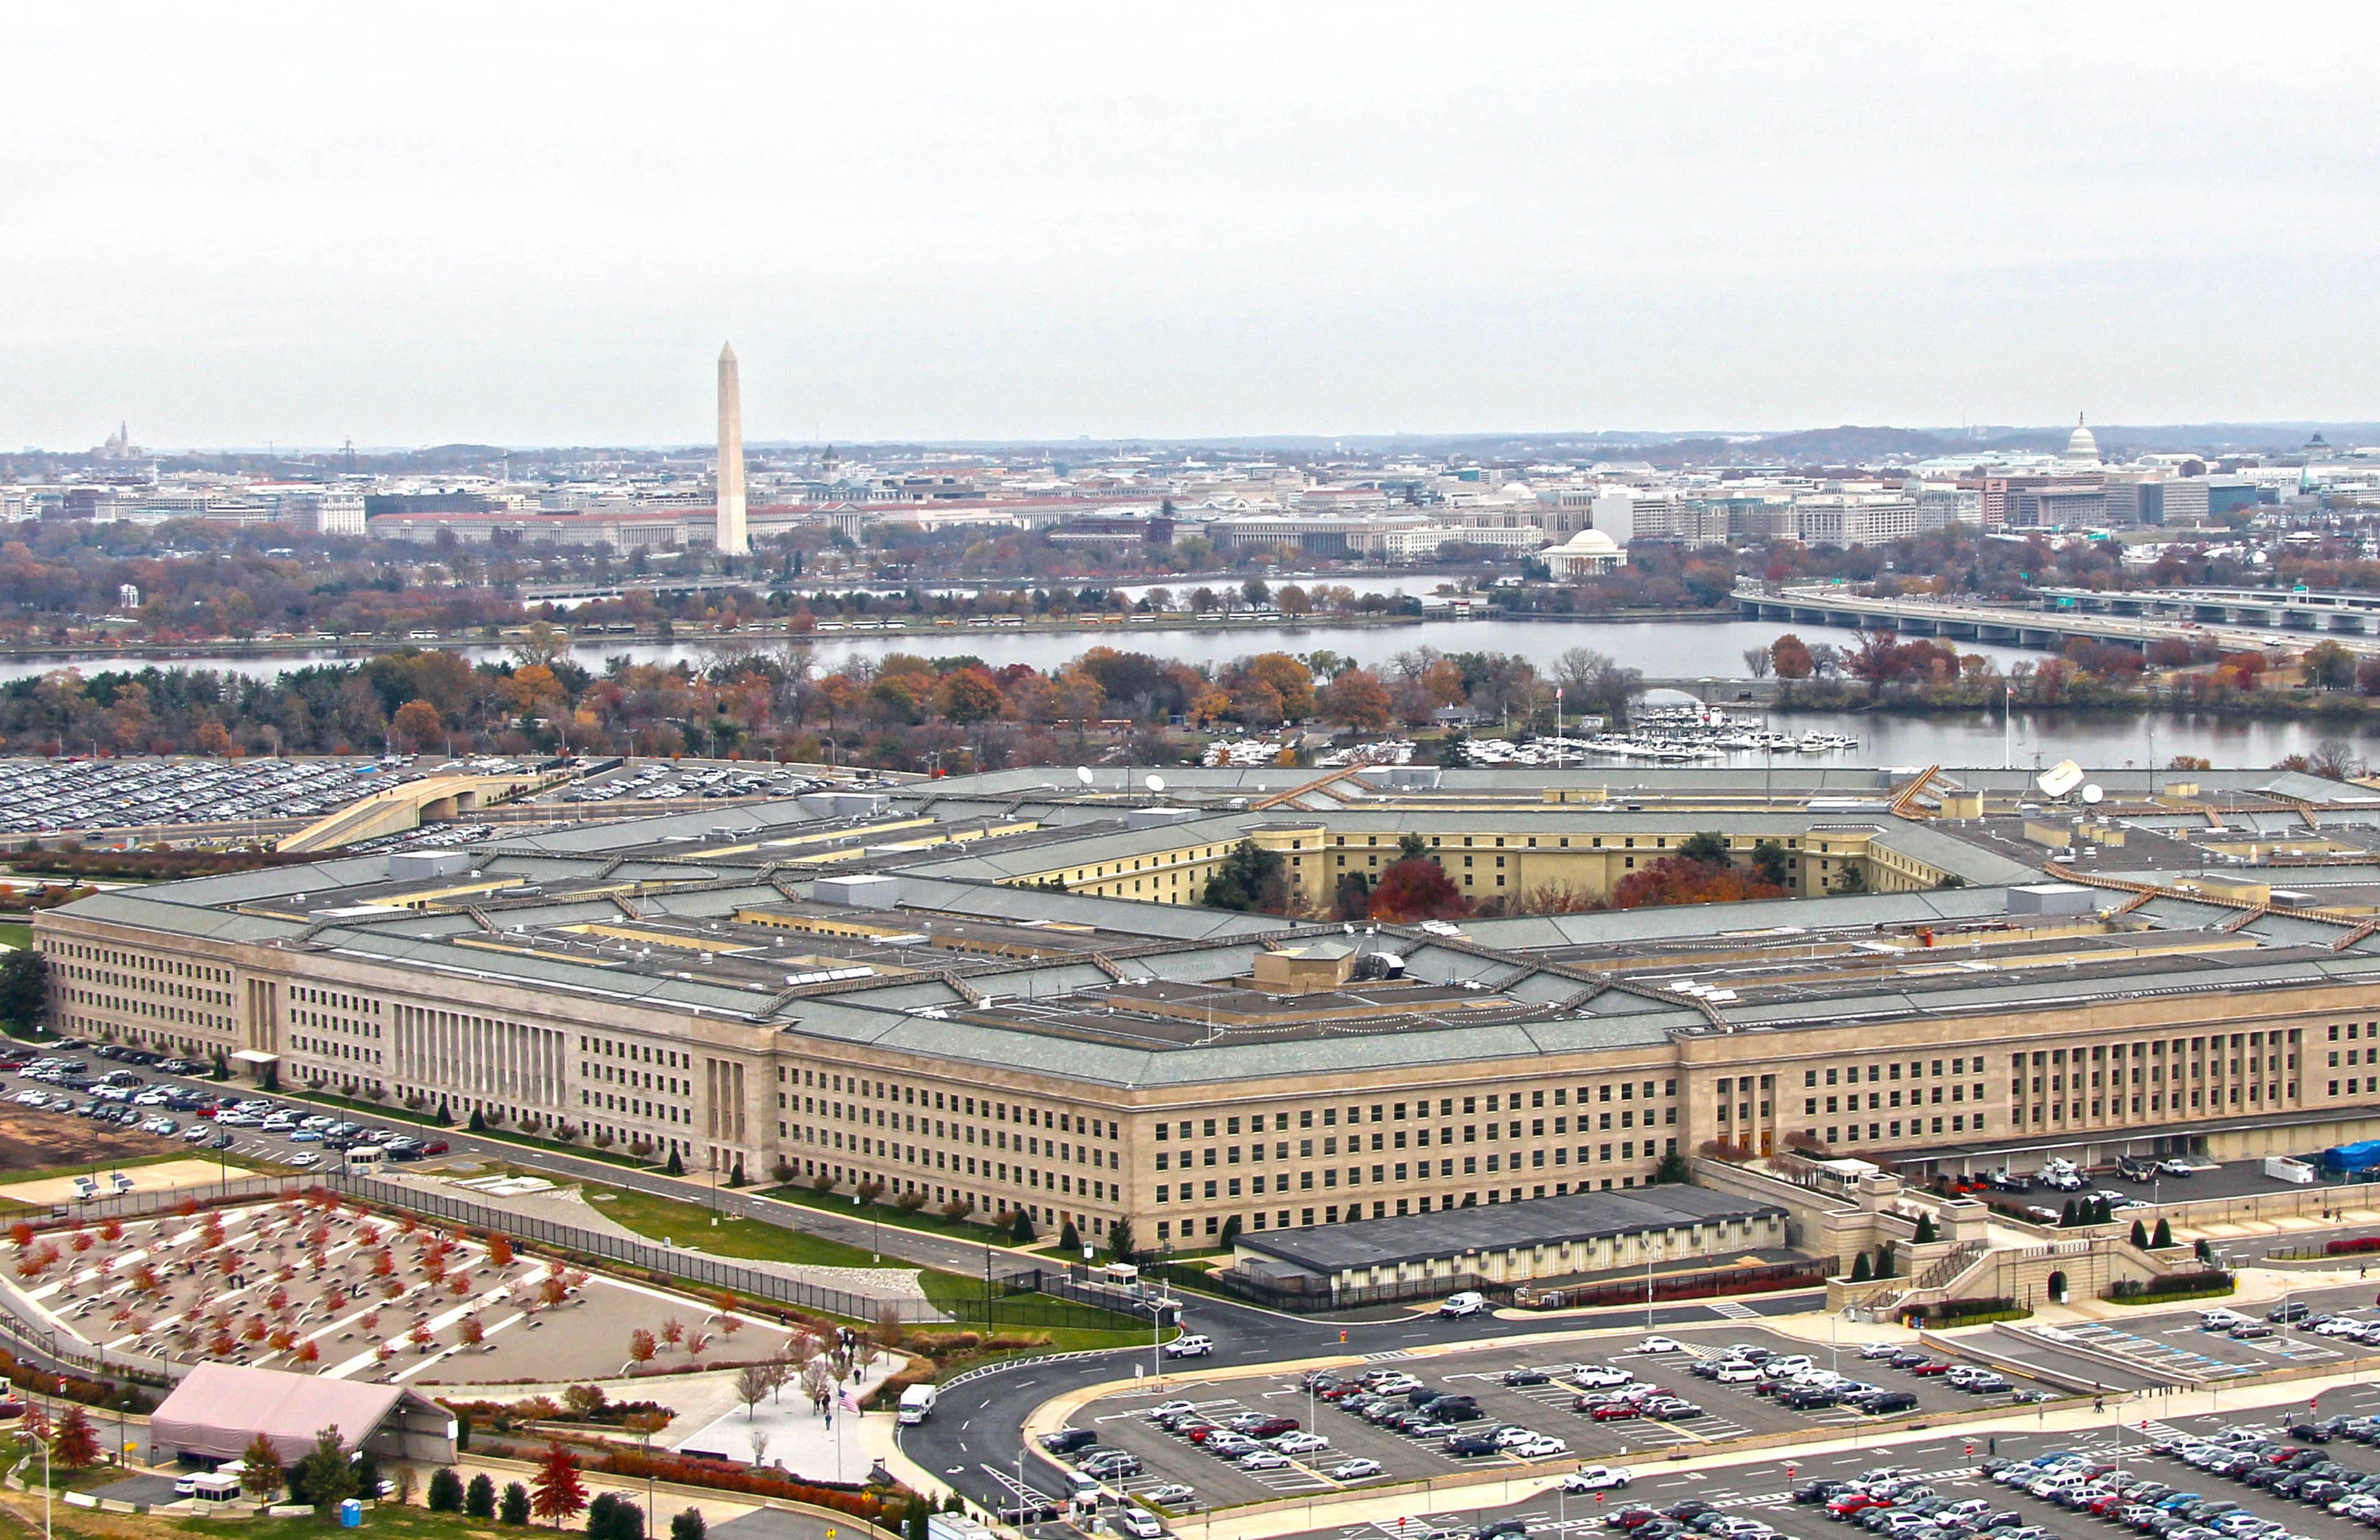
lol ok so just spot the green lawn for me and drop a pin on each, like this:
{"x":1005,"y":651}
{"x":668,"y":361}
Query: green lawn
{"x":688,"y":1224}
{"x":15,"y":935}
{"x":885,"y":1213}
{"x":417,"y":1523}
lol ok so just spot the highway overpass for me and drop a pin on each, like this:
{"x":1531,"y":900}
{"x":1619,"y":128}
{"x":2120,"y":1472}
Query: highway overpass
{"x":406,"y":807}
{"x":2047,"y":628}
{"x":2314,"y":610}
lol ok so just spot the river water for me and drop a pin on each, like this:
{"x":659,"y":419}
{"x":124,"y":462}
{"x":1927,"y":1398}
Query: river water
{"x":1689,"y":652}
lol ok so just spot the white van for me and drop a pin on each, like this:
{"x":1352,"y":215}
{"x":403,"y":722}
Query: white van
{"x":1464,"y":1303}
{"x":2219,"y":1320}
{"x":1736,"y":1372}
{"x":917,"y":1403}
{"x":366,"y":1159}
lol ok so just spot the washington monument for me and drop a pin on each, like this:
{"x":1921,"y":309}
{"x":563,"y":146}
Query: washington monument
{"x":733,"y":539}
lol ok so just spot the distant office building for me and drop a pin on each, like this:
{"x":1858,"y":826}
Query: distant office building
{"x":324,"y":511}
{"x":1114,"y":533}
{"x":1856,"y":518}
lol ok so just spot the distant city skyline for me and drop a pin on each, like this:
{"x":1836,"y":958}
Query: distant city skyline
{"x":531,"y":227}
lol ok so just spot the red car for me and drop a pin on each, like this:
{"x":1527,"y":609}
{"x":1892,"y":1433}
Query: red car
{"x":436,"y":1147}
{"x":1852,"y":1504}
{"x":1631,"y":1517}
{"x":1271,"y":1427}
{"x":1611,"y":1411}
{"x":1929,"y":1367}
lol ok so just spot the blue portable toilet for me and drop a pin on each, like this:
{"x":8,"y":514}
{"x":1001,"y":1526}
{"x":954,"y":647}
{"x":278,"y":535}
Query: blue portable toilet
{"x":351,"y":1514}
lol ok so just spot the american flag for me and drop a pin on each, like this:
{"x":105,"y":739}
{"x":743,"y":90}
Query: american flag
{"x":845,"y":1402}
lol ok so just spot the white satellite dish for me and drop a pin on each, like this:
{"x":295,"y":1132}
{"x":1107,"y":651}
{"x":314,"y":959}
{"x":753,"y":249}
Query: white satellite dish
{"x":1155,"y":783}
{"x":2092,"y":794}
{"x":2059,"y":778}
{"x":1083,"y":774}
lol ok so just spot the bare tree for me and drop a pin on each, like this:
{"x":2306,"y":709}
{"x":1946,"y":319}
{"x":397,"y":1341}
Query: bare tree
{"x":753,"y":1382}
{"x":759,"y":1438}
{"x":1756,"y":659}
{"x":817,"y":1383}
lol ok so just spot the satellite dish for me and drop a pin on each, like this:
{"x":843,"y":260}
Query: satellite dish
{"x":2092,"y":794}
{"x":2059,"y":778}
{"x":1083,"y":774}
{"x":1155,"y":783}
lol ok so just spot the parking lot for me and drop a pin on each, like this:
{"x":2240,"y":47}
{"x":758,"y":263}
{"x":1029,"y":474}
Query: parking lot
{"x":2174,"y":1346}
{"x":145,"y":1105}
{"x":663,"y":781}
{"x":39,"y":795}
{"x":1761,"y":1493}
{"x":1537,"y":1392}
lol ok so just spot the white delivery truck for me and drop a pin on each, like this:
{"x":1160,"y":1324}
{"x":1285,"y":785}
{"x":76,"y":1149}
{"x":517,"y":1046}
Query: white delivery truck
{"x":917,"y":1403}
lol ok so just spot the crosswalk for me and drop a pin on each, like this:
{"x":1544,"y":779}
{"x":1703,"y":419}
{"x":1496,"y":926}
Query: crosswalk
{"x":1732,"y":1311}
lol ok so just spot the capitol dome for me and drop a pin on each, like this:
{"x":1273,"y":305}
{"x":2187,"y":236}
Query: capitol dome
{"x":1517,"y":492}
{"x":2081,"y":445}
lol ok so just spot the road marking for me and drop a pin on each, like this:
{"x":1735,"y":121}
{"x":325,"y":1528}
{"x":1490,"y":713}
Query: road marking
{"x":1732,"y":1311}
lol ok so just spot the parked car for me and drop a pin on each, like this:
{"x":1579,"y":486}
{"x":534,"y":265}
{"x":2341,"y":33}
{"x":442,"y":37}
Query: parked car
{"x":1597,"y":1478}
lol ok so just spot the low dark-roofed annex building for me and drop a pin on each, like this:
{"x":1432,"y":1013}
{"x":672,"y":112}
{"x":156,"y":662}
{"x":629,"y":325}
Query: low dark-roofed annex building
{"x":1513,"y":1242}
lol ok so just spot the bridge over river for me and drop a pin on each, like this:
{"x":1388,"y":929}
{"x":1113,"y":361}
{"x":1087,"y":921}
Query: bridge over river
{"x":2235,"y":619}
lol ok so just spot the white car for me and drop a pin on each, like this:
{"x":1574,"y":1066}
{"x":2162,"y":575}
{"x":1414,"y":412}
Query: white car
{"x":1301,"y":1443}
{"x":1172,"y":1408}
{"x":1880,"y":1350}
{"x":1596,"y":1478}
{"x":198,"y":1134}
{"x":1599,"y":1376}
{"x":1136,"y":1522}
{"x":1660,"y":1345}
{"x":1264,"y":1459}
{"x":306,"y":1157}
{"x":1736,"y":1372}
{"x":1189,"y":1347}
{"x":1539,"y":1447}
{"x":1354,"y":1469}
{"x":1512,"y":1434}
{"x":1396,"y":1385}
{"x":1464,"y":1303}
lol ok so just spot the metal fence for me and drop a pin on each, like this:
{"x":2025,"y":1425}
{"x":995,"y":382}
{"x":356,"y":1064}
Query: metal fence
{"x":687,"y":1267}
{"x":1293,"y":1296}
{"x":1035,"y":1298}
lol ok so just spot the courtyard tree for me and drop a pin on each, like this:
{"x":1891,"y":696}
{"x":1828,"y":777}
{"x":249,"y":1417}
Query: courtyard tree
{"x":558,"y":1492}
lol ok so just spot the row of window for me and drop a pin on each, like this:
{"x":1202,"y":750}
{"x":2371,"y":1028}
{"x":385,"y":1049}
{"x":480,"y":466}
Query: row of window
{"x":1403,"y":1170}
{"x":945,"y":1102}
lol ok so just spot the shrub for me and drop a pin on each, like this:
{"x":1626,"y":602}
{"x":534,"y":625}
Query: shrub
{"x":445,"y":1490}
{"x":479,"y":1498}
{"x":513,"y":1510}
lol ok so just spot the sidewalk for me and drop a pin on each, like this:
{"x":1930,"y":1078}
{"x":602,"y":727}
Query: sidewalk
{"x":787,"y":1432}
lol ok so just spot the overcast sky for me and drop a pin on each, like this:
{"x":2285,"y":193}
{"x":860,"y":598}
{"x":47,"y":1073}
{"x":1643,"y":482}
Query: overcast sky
{"x":412,"y":224}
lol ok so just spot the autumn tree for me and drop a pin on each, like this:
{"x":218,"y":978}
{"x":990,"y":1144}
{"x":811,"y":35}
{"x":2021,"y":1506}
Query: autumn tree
{"x":1416,"y":889}
{"x":417,"y":725}
{"x":74,"y":1444}
{"x":259,"y":1468}
{"x":557,"y":1492}
{"x":1682,"y":879}
{"x":1357,"y":698}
